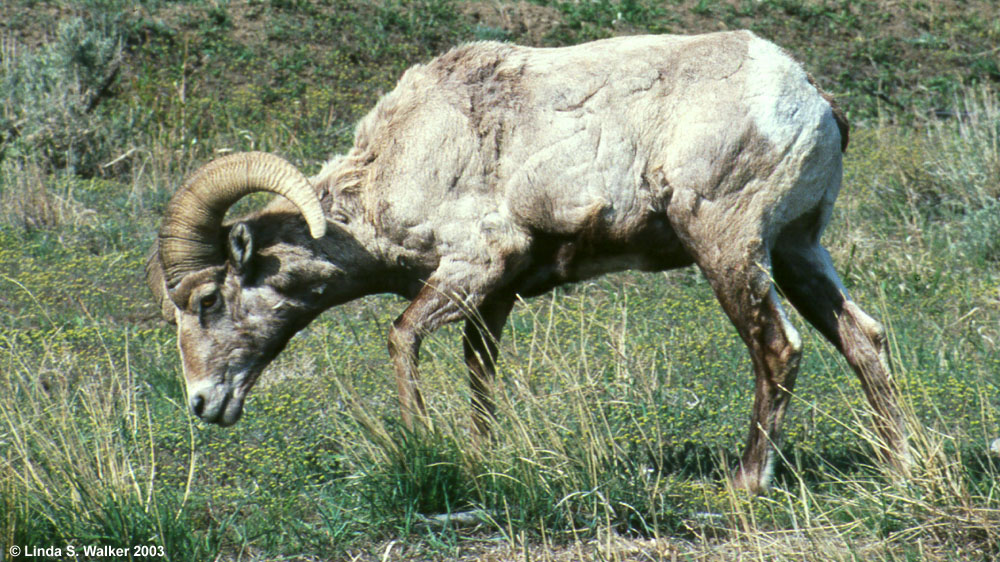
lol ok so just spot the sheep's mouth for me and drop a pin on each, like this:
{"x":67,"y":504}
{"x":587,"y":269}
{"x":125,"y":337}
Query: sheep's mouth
{"x":220,"y":403}
{"x":229,"y":411}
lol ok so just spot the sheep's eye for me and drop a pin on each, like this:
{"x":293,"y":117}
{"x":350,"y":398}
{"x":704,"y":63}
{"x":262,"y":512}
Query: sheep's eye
{"x":208,"y":301}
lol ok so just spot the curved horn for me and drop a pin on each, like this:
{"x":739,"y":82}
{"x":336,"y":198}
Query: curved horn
{"x":192,"y":225}
{"x":156,"y":284}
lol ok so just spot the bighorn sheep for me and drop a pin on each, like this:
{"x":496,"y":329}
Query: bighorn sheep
{"x":496,"y":170}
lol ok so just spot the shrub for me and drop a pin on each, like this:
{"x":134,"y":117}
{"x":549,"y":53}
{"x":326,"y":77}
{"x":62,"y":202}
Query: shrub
{"x":49,"y":97}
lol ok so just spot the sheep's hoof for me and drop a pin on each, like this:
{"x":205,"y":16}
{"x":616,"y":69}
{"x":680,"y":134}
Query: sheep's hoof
{"x":750,"y":481}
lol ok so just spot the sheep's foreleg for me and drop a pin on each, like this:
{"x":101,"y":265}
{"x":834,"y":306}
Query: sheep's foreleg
{"x":404,"y":349}
{"x":431,"y":309}
{"x":482,"y":334}
{"x":451,"y":294}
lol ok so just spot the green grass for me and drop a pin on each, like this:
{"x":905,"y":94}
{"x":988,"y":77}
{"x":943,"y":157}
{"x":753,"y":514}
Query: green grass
{"x":616,"y":429}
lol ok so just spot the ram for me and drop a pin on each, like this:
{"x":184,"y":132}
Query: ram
{"x":495,"y":171}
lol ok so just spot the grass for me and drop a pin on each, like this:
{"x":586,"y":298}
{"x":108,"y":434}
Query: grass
{"x":616,"y":429}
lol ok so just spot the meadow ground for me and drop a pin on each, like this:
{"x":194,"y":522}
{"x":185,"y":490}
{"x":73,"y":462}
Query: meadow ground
{"x":624,"y":400}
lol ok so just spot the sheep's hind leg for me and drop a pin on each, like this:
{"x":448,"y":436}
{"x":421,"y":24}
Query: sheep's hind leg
{"x":741,"y":280}
{"x":775,"y":350}
{"x":479,"y":342}
{"x":805,"y":275}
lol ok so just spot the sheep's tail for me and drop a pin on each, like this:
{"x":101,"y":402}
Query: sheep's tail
{"x":838,"y":114}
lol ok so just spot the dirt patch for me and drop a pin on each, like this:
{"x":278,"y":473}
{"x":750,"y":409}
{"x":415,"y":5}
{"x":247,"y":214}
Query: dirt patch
{"x":29,"y":27}
{"x":527,"y":23}
{"x":813,"y":545}
{"x":248,"y":19}
{"x":243,"y":20}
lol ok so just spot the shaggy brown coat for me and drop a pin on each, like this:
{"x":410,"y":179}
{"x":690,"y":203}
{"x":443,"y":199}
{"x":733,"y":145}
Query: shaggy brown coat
{"x":496,"y":170}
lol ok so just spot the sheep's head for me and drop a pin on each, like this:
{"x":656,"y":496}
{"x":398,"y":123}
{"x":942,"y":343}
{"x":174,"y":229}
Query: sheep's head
{"x":206,"y":278}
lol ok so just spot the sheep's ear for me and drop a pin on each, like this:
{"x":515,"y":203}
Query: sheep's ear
{"x":240,"y":247}
{"x":338,"y":215}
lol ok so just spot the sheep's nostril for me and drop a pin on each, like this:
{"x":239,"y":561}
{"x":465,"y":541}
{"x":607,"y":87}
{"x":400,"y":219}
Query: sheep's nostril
{"x":198,"y":404}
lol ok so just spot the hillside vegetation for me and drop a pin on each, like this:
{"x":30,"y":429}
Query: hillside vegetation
{"x":624,"y":401}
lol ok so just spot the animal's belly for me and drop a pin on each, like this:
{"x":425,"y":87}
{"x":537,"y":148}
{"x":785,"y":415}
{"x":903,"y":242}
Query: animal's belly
{"x":559,"y":259}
